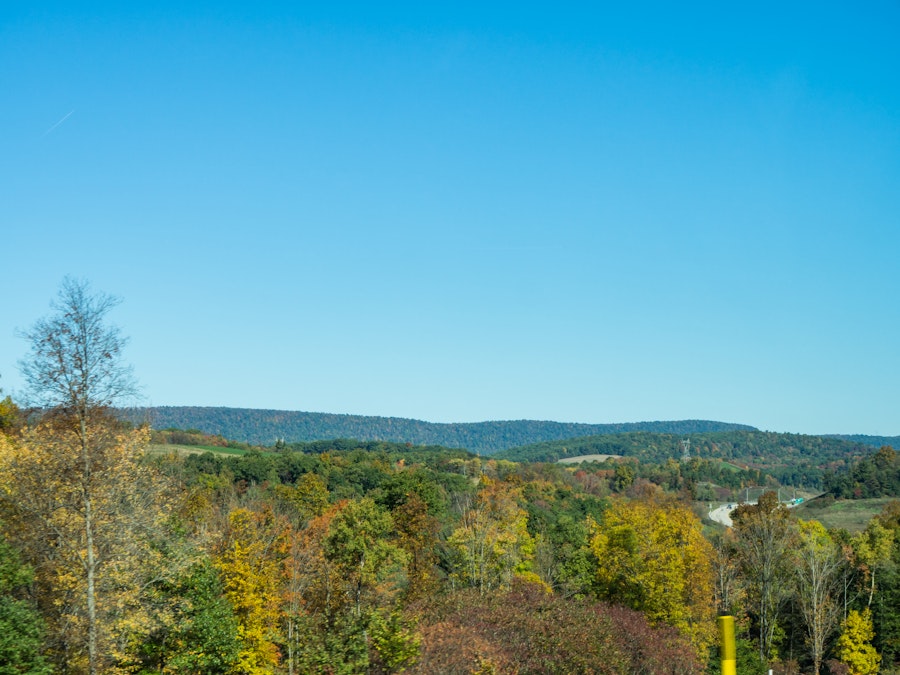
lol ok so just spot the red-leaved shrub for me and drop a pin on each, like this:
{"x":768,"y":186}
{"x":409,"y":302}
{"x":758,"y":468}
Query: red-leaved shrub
{"x":527,"y":630}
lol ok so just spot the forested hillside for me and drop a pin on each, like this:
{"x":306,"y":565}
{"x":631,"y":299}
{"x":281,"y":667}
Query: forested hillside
{"x":874,"y":441}
{"x":389,"y":558}
{"x":265,"y":427}
{"x":794,"y":459}
{"x":745,"y":446}
{"x":875,"y":476}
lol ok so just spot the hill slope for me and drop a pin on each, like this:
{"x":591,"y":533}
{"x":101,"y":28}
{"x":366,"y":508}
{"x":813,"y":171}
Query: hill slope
{"x":794,"y":459}
{"x":266,"y":426}
{"x":874,"y":441}
{"x":748,"y":446}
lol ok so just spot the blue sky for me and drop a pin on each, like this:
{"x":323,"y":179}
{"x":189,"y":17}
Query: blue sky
{"x":462,"y":214}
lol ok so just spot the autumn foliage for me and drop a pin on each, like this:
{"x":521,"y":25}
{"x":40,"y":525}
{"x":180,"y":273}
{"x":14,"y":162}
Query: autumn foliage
{"x":340,"y":558}
{"x":653,"y":557}
{"x":527,"y":630}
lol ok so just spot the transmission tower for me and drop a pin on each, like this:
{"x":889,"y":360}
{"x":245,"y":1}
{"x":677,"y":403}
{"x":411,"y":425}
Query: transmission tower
{"x":686,"y":450}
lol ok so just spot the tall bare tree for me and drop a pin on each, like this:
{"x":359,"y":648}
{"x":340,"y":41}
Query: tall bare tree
{"x":76,"y":364}
{"x":817,"y":562}
{"x":765,"y":535}
{"x":74,"y":373}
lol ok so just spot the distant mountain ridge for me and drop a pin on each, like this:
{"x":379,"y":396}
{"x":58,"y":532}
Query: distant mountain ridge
{"x":874,"y":441}
{"x":264,"y":427}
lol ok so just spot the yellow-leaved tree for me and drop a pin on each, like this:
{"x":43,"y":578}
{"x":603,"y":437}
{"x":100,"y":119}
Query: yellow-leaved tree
{"x":854,"y":645}
{"x":251,"y":562}
{"x":92,"y":561}
{"x":873,"y":548}
{"x":492,"y":543}
{"x":652,"y":557}
{"x":76,"y":497}
{"x":817,"y":563}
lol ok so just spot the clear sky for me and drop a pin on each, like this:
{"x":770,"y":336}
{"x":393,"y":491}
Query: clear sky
{"x":660,"y":211}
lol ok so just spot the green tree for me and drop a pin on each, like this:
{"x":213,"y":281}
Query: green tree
{"x":747,"y":661}
{"x":885,"y":616}
{"x":624,"y":476}
{"x":200,"y":633}
{"x":10,"y":415}
{"x":343,"y":574}
{"x":359,"y":542}
{"x":308,"y":496}
{"x":394,"y":642}
{"x":417,"y":532}
{"x":873,"y":547}
{"x":21,"y":626}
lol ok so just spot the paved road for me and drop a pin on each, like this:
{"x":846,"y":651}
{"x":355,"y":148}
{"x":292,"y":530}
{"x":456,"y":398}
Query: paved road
{"x":723,"y":514}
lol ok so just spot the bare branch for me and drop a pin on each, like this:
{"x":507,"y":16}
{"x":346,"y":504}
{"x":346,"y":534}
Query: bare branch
{"x":75,"y":361}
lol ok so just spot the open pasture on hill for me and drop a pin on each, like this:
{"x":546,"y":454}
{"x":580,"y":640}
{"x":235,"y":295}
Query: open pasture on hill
{"x":170,"y":448}
{"x":850,"y":514}
{"x":587,"y":458}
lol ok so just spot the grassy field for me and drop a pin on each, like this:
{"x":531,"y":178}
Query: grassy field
{"x":849,"y":514}
{"x":156,"y":449}
{"x":587,"y":458}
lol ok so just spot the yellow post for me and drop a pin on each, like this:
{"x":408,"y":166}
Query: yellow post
{"x":729,"y":657}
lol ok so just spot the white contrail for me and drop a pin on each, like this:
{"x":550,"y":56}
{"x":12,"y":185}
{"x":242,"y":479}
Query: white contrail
{"x":60,"y":122}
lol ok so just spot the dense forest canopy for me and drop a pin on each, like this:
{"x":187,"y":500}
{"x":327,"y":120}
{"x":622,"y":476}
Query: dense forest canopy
{"x":874,"y":441}
{"x":875,"y":476}
{"x":390,"y":557}
{"x":792,"y":459}
{"x":745,"y":446}
{"x":265,"y":427}
{"x":531,"y":439}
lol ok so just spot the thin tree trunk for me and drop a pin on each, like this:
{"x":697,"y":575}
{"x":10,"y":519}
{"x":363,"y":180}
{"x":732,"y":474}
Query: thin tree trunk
{"x":90,"y":563}
{"x":290,"y":642}
{"x":91,"y":595}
